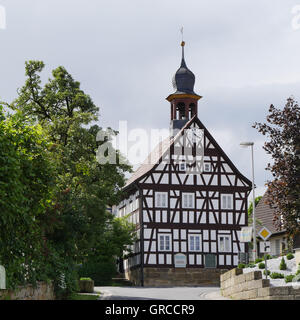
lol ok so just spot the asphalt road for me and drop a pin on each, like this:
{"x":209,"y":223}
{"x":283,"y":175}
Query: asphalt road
{"x":151,"y":293}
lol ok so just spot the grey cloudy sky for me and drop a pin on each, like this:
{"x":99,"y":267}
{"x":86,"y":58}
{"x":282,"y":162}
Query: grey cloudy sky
{"x":245,"y":55}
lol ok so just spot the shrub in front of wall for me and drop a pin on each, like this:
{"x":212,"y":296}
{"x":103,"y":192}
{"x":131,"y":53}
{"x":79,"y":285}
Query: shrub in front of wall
{"x":269,"y":272}
{"x":268,"y":257}
{"x":261,"y":265}
{"x":290,"y":256}
{"x":241,"y":266}
{"x":276,"y":275}
{"x":289,"y":278}
{"x":100,"y":270}
{"x":258,"y":260}
{"x":282,"y":265}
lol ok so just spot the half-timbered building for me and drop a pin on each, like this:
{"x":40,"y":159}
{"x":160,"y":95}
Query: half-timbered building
{"x":188,"y":201}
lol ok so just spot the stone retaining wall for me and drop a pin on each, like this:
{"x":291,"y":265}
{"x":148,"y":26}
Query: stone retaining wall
{"x":251,"y":286}
{"x":297,"y":256}
{"x":43,"y":291}
{"x":159,"y":277}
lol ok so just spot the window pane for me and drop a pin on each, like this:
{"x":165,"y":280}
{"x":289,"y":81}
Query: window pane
{"x":229,"y":202}
{"x":221,"y":244}
{"x":227,"y":244}
{"x":192,"y":243}
{"x":158,"y":200}
{"x":167,"y":239}
{"x":164,"y":200}
{"x":161,"y":242}
{"x":197,"y":247}
{"x":185,"y":200}
{"x":224,"y":202}
{"x":190,"y":201}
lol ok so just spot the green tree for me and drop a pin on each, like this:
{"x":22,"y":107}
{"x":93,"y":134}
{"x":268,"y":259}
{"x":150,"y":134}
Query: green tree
{"x":282,"y":129}
{"x":250,"y":210}
{"x":26,"y":184}
{"x":77,"y":219}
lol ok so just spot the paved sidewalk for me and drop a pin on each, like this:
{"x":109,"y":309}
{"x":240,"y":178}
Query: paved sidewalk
{"x":151,"y":293}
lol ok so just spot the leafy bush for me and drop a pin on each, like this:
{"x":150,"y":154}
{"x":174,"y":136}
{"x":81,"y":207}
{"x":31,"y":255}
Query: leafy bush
{"x":268,"y":257}
{"x":269,"y":272}
{"x":250,"y":265}
{"x":85,"y":279}
{"x":276,"y":275}
{"x":289,"y":278}
{"x":258,"y":260}
{"x":101,"y":271}
{"x":282,"y":265}
{"x":261,"y":265}
{"x":241,"y":266}
{"x":290,"y":256}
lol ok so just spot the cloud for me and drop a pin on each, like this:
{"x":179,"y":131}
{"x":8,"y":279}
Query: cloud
{"x":244,"y":55}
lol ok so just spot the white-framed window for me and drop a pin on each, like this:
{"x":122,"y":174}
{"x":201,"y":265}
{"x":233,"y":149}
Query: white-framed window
{"x":161,"y":199}
{"x":131,"y":208}
{"x":227,"y":201}
{"x":188,"y":200}
{"x":182,"y":166}
{"x":207,"y":167}
{"x":224,"y":243}
{"x":164,"y":242}
{"x":122,"y":211}
{"x":194,"y":242}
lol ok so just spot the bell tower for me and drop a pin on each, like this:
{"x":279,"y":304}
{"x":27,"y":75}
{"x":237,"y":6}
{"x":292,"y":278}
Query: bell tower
{"x":184,"y":101}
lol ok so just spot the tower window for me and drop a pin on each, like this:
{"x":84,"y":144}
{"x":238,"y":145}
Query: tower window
{"x":192,"y":110}
{"x":181,"y":109}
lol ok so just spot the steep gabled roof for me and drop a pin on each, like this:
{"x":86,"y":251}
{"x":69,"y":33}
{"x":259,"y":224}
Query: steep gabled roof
{"x":154,"y":157}
{"x":264,"y":213}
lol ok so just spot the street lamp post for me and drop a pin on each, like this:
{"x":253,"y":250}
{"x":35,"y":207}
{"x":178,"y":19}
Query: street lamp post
{"x":245,"y":145}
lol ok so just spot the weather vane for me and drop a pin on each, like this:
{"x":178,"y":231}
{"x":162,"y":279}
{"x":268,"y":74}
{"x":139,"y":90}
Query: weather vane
{"x":182,"y":42}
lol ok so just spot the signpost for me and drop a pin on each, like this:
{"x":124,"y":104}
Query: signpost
{"x":265,"y":234}
{"x":245,"y":236}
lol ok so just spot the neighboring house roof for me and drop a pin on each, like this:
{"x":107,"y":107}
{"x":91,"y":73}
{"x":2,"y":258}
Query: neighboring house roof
{"x":153,"y":158}
{"x":264,"y":213}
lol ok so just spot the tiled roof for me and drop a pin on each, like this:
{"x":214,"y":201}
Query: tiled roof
{"x":154,"y":156}
{"x":264,"y":213}
{"x":151,"y":160}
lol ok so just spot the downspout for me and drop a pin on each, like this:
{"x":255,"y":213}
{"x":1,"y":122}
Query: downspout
{"x":141,"y":231}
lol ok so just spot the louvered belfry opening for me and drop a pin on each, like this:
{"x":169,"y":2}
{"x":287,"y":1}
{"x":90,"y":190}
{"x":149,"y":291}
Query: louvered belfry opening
{"x":184,"y":101}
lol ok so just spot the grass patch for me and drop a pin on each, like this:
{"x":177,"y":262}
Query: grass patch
{"x":78,"y":296}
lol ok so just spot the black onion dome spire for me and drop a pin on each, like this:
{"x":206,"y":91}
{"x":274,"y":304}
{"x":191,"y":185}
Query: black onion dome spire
{"x":184,"y":79}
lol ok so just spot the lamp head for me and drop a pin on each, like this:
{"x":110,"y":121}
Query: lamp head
{"x":246,"y":144}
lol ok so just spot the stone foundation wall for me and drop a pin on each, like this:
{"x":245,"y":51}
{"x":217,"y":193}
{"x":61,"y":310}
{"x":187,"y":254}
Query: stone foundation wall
{"x":159,"y":277}
{"x":43,"y":291}
{"x":251,"y":286}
